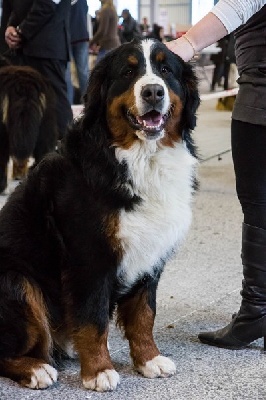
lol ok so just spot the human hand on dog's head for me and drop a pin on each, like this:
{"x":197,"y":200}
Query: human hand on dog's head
{"x":12,"y":37}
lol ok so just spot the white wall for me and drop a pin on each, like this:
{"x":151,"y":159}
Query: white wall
{"x":200,"y":8}
{"x":131,"y":5}
{"x":177,"y":12}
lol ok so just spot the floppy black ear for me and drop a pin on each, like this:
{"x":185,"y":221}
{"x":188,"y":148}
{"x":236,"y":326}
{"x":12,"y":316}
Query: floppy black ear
{"x":96,"y":94}
{"x":192,"y":99}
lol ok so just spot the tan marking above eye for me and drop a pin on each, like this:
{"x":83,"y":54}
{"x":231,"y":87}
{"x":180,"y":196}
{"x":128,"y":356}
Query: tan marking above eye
{"x":160,"y":56}
{"x":132,"y":60}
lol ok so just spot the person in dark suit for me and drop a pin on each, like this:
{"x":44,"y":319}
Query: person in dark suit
{"x":129,"y":28}
{"x":39,"y":31}
{"x":3,"y":23}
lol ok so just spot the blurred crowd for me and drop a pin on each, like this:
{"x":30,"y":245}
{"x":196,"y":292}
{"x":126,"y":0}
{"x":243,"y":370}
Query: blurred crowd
{"x":61,"y":40}
{"x":64,"y":42}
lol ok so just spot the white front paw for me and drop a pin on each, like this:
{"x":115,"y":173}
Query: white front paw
{"x":103,"y":382}
{"x":159,"y":366}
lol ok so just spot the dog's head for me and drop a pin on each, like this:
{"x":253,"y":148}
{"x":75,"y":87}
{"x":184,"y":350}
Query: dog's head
{"x":144,"y":92}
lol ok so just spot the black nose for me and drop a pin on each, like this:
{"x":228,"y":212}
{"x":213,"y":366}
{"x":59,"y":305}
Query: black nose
{"x":153,"y":94}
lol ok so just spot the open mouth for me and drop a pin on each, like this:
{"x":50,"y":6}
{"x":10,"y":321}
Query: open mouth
{"x":151,"y":122}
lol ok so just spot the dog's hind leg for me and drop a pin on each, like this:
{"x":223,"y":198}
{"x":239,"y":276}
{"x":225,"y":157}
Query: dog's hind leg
{"x":25,"y":341}
{"x":136,"y":313}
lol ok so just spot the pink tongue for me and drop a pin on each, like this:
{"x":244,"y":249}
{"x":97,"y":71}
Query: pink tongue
{"x":151,"y":119}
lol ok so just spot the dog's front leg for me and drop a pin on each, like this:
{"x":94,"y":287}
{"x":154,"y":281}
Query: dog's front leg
{"x":136,"y":315}
{"x":97,"y":371}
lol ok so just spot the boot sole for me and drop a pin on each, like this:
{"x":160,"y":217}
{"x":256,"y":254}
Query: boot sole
{"x":224,"y":347}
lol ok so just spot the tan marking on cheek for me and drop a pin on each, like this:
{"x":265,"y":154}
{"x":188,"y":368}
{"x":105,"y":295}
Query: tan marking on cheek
{"x":136,"y":318}
{"x":111,"y":223}
{"x":123,"y":134}
{"x":160,"y":56}
{"x":93,"y":352}
{"x":172,"y":128}
{"x":132,"y":60}
{"x":38,"y":329}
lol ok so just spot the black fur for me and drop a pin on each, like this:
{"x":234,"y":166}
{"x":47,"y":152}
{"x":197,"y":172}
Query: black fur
{"x":54,"y":228}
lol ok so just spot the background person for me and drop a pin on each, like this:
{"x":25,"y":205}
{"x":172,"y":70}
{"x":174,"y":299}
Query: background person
{"x":248,"y":151}
{"x":79,"y":38}
{"x":129,"y":27}
{"x":3,"y":24}
{"x":157,"y":32}
{"x":39,"y":31}
{"x":106,"y":36}
{"x":144,"y":27}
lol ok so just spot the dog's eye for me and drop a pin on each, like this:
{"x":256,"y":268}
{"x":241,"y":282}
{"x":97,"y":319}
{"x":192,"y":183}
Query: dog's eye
{"x":129,"y":73}
{"x":165,"y":70}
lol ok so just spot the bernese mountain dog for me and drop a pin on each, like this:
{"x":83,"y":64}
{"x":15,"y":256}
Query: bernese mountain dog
{"x":28,"y":126}
{"x":86,"y":236}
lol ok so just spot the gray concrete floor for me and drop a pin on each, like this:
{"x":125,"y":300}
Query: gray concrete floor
{"x":198,"y":291}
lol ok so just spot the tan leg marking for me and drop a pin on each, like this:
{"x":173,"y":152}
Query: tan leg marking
{"x":137,"y":319}
{"x":97,"y":371}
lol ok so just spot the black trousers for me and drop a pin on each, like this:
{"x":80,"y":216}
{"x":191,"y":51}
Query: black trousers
{"x":249,"y":157}
{"x":55,"y":71}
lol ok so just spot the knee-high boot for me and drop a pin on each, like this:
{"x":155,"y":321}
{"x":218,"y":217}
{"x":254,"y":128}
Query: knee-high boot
{"x":249,"y":323}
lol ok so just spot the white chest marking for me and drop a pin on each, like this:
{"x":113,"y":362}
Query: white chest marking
{"x":163,"y":179}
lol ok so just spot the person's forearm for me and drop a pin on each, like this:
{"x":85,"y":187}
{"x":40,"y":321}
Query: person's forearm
{"x":224,"y":17}
{"x":206,"y":32}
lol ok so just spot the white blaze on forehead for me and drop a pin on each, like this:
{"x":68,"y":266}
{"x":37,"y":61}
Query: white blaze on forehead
{"x":149,"y":78}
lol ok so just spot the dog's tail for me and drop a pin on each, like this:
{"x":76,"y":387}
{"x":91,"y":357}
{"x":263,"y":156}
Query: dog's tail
{"x":22,"y":117}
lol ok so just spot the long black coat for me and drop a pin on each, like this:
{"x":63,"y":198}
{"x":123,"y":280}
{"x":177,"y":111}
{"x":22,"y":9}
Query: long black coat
{"x":44,"y":25}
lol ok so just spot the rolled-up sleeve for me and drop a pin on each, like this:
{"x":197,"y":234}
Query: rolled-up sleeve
{"x":233,"y":13}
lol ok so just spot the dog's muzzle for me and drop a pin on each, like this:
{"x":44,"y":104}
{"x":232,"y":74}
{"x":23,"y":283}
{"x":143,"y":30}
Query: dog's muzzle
{"x":152,"y":120}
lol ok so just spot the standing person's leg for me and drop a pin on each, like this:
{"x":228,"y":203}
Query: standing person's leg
{"x":217,"y":74}
{"x":55,"y":71}
{"x":68,"y":78}
{"x":249,"y":324}
{"x":70,"y":89}
{"x":226,"y":74}
{"x":81,"y":57}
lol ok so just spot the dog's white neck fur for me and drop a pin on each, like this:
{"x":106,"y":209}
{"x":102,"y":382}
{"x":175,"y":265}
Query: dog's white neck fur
{"x":163,"y":179}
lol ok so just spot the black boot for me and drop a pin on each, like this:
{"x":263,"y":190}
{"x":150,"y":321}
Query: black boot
{"x":249,"y":323}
